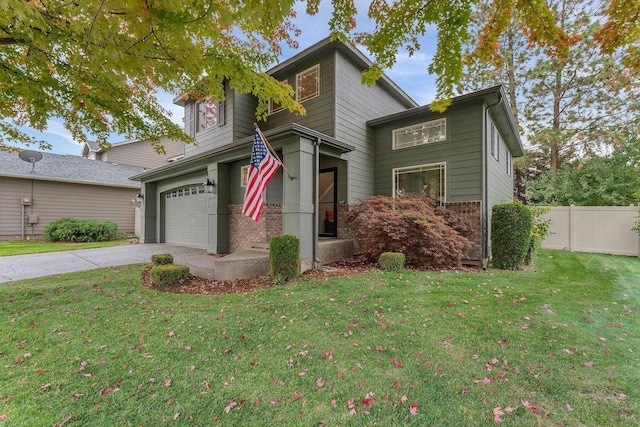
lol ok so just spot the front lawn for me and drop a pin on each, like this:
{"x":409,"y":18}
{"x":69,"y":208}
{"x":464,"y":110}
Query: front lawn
{"x":556,"y":346}
{"x":22,"y":247}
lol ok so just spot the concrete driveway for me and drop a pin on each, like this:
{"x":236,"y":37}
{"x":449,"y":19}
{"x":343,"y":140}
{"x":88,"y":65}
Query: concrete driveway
{"x":19,"y":267}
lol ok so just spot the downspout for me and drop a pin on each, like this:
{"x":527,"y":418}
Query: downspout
{"x":316,"y":191}
{"x":485,"y":186}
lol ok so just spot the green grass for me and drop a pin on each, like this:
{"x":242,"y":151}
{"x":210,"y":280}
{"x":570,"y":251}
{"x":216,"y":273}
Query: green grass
{"x":23,"y":247}
{"x":99,"y":348}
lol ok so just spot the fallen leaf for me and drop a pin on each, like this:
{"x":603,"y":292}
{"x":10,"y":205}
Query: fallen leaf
{"x":167,"y":382}
{"x":497,"y":413}
{"x":320,"y":382}
{"x":589,"y":364}
{"x":176,"y":416}
{"x":414,"y":409}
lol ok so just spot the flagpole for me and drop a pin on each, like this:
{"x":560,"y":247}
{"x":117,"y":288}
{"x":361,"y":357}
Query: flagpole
{"x":264,"y":138}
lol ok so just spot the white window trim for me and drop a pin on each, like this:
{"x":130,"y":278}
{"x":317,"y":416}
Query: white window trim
{"x":281,"y":108}
{"x":244,"y":175}
{"x":315,"y":68}
{"x":509,"y":163}
{"x":420,"y":168}
{"x":494,"y":141}
{"x":430,"y":123}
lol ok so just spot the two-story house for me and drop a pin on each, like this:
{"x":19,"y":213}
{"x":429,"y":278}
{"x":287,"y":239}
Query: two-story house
{"x":353,"y":142}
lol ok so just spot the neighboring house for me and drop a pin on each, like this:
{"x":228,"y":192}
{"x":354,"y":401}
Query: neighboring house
{"x":135,"y":153}
{"x":34,"y":194}
{"x":354,"y":141}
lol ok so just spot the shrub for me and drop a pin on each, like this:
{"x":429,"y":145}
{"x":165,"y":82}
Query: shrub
{"x":511,"y":225}
{"x":391,"y":261}
{"x":80,"y":230}
{"x":168,"y":274}
{"x":410,"y":225}
{"x":161,"y":259}
{"x":284,"y":258}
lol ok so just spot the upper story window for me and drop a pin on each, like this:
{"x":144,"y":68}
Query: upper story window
{"x":209,"y":113}
{"x":494,"y":141}
{"x":426,"y":180}
{"x":274,"y":107}
{"x":308,"y":84}
{"x":421,"y":133}
{"x":509,"y":163}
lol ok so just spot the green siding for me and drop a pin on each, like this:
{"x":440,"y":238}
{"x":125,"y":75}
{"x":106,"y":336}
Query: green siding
{"x":319,"y":110}
{"x":462,"y":152}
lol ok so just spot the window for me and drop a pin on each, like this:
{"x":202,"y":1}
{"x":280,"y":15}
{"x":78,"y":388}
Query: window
{"x":422,"y":133}
{"x":274,"y":107}
{"x":244,"y":175}
{"x":427,"y":180}
{"x":494,"y":140}
{"x":209,"y":113}
{"x":509,"y":163}
{"x":308,"y":84}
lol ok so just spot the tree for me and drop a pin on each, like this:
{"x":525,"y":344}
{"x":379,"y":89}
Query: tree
{"x":570,"y":102}
{"x":98,"y":65}
{"x":611,"y":180}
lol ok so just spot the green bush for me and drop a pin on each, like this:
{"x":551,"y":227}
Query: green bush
{"x":161,"y":259}
{"x":511,"y":225}
{"x":391,"y":261}
{"x":169,"y":274}
{"x":284,"y":258}
{"x":80,"y":230}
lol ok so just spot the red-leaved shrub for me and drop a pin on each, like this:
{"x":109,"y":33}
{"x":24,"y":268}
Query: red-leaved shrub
{"x":429,"y":236}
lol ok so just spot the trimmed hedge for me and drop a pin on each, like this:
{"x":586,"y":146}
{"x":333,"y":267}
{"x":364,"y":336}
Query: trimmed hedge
{"x":284,"y":258}
{"x":80,"y":230}
{"x":161,"y":259}
{"x":168,"y":274}
{"x":511,"y":225}
{"x":391,"y":261}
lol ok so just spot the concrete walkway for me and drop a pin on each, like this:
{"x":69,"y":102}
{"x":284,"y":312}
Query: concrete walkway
{"x":19,"y":267}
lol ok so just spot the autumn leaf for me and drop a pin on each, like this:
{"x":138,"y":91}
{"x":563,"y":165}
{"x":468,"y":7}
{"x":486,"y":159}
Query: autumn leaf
{"x":414,"y":409}
{"x":497,"y":413}
{"x":320,"y":382}
{"x":167,"y":382}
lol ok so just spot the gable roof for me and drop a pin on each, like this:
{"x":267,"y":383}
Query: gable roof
{"x":67,"y":168}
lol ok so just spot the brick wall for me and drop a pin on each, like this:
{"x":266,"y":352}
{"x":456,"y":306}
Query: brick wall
{"x":472,"y":212}
{"x":343,"y":232}
{"x":244,"y":232}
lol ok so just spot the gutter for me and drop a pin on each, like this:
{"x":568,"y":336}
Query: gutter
{"x":485,"y":185}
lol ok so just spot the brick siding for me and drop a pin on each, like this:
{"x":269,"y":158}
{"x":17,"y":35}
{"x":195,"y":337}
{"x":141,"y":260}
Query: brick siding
{"x":244,"y":232}
{"x":472,"y":212}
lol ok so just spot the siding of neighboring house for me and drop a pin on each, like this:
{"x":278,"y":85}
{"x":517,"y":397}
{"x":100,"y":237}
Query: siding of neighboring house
{"x":52,"y":200}
{"x":357,"y":103}
{"x":462,"y":152}
{"x":142,"y":154}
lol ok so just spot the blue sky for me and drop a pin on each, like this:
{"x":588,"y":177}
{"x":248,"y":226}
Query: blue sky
{"x":409,"y":73}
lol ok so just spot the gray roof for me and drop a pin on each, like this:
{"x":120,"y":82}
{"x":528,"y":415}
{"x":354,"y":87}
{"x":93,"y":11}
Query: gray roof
{"x":67,"y":168}
{"x":93,"y":145}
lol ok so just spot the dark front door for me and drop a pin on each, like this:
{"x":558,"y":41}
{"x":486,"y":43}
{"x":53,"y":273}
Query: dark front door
{"x":327,"y":207}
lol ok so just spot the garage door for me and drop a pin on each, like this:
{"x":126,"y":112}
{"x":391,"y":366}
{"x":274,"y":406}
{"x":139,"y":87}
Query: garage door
{"x":185,"y":216}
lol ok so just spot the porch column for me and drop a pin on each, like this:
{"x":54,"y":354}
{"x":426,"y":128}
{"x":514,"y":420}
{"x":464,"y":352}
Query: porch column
{"x":218,"y":209}
{"x":298,"y":200}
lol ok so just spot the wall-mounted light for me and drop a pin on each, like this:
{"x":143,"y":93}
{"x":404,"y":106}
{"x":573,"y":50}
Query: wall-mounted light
{"x":139,"y":197}
{"x":209,"y":186}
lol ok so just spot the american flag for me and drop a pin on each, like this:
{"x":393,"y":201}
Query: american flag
{"x":263,"y":166}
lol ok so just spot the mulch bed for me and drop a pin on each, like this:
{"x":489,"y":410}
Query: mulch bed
{"x":197,"y":285}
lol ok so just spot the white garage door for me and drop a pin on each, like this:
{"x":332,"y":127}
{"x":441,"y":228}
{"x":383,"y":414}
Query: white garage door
{"x":185,"y":216}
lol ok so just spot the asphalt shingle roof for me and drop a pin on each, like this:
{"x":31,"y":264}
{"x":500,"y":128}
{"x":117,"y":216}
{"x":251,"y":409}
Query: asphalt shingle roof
{"x":59,"y":167}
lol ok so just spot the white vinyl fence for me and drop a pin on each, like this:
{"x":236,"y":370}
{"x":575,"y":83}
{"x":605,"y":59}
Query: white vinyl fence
{"x":601,"y":229}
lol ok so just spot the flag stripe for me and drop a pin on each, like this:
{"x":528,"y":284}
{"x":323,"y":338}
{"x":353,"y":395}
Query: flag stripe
{"x":263,"y":167}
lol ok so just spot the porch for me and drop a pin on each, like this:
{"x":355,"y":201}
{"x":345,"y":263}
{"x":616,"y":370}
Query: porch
{"x":253,"y":262}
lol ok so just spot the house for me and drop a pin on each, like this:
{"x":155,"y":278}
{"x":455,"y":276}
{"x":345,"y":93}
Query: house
{"x":354,"y":141}
{"x":135,"y":152}
{"x":50,"y":186}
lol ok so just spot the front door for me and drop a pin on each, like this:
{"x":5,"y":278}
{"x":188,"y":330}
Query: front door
{"x":327,"y":203}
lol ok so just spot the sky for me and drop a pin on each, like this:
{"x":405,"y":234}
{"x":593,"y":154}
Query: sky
{"x":409,"y":73}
